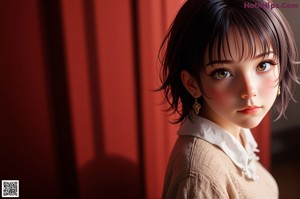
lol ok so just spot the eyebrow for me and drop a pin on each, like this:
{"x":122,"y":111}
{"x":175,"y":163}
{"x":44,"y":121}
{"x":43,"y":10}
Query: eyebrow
{"x":231,"y":61}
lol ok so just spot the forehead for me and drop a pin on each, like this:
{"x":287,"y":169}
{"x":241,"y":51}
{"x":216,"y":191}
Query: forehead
{"x":238,"y":45}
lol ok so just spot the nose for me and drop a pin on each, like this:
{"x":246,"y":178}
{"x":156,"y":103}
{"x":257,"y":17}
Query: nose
{"x":248,"y":89}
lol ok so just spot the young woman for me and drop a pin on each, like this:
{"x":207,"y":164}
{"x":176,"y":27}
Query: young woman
{"x":225,"y":65}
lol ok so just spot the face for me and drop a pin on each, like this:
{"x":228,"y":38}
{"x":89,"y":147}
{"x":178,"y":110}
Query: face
{"x":239,"y":92}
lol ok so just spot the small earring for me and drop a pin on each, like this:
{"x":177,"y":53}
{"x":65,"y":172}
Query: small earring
{"x":278,"y":92}
{"x":196,"y":106}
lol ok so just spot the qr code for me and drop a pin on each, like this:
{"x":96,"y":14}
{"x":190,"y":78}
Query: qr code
{"x":10,"y":188}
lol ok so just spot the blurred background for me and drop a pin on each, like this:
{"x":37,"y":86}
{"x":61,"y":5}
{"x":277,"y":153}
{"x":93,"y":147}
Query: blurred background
{"x":78,"y":115}
{"x":286,"y":132}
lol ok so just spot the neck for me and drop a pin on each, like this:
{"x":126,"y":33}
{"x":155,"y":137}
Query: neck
{"x":228,"y":126}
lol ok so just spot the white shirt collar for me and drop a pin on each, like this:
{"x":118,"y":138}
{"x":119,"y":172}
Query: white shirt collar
{"x":244,"y":158}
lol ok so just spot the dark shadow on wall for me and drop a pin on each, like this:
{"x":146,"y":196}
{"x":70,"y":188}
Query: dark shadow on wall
{"x":111,"y":177}
{"x":106,"y":176}
{"x":59,"y":96}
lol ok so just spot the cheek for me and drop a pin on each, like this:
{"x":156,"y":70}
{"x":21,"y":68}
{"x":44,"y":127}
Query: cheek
{"x":268,"y":86}
{"x":268,"y":83}
{"x":219,"y":96}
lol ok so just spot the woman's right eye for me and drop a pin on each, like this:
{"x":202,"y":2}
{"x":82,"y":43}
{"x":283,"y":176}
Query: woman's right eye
{"x":221,"y":74}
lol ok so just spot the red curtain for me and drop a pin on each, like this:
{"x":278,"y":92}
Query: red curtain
{"x":78,"y":114}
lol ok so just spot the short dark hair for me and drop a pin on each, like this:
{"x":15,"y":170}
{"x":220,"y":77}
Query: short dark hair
{"x":204,"y":24}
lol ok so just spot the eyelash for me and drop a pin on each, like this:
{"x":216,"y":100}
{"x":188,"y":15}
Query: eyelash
{"x":216,"y":71}
{"x":271,"y":62}
{"x":229,"y":73}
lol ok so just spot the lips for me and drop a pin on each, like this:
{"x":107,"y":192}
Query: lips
{"x":250,"y":110}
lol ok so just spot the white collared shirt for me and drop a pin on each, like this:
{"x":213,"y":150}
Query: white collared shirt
{"x":243,"y":158}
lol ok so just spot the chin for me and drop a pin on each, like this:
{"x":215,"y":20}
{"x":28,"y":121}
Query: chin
{"x":250,"y":122}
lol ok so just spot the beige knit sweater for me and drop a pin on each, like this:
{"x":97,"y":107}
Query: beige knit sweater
{"x":198,"y":169}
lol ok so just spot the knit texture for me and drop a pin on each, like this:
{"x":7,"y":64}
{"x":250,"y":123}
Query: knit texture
{"x":198,"y":169}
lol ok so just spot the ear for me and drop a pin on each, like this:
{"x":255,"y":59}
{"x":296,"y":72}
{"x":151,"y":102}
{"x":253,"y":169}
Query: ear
{"x":190,"y":84}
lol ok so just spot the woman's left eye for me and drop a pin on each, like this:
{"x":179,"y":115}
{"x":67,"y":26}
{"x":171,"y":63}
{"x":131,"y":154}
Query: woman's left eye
{"x":264,"y":66}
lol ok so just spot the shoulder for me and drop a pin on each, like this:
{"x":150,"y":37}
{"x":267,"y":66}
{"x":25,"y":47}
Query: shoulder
{"x":199,"y":165}
{"x":197,"y":155}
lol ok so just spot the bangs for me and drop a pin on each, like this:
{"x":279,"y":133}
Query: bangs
{"x":233,"y":29}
